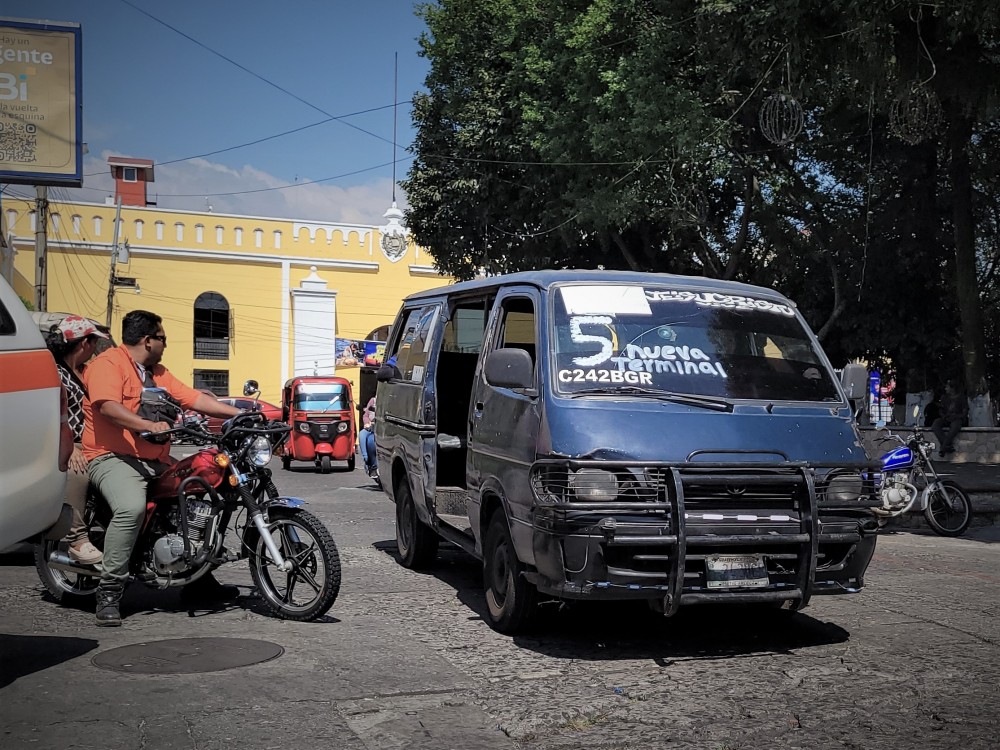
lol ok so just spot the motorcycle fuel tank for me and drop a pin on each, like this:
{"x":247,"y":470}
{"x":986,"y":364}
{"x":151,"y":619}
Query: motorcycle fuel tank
{"x":201,"y":464}
{"x":899,"y":458}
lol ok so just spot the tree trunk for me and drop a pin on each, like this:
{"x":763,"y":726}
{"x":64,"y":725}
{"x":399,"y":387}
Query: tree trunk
{"x":966,"y":284}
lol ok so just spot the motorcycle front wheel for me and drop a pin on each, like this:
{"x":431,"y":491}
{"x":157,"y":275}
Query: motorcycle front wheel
{"x":309,"y":589}
{"x":949,"y":510}
{"x":65,"y":587}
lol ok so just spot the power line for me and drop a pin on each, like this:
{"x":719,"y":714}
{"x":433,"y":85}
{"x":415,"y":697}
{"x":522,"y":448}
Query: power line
{"x":282,"y":187}
{"x":255,"y":75}
{"x":265,"y":138}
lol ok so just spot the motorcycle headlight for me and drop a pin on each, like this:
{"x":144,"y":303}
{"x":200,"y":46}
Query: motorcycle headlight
{"x":260,"y":451}
{"x":343,"y":427}
{"x":844,"y":488}
{"x":594,"y":485}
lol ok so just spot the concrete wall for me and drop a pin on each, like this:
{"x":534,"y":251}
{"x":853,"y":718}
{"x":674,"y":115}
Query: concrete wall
{"x":973,"y":444}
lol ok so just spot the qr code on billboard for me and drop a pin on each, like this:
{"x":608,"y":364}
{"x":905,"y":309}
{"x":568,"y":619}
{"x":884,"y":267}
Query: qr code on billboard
{"x":18,"y":142}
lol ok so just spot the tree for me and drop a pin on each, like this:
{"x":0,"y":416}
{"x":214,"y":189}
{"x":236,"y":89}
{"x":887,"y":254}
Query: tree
{"x":625,"y":133}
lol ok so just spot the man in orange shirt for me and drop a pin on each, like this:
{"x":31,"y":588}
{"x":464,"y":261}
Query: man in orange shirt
{"x":121,"y":463}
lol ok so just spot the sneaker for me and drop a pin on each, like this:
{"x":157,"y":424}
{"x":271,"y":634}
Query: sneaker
{"x":84,"y":552}
{"x":208,"y":589}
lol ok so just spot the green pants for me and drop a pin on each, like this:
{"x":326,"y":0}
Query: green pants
{"x":122,"y":480}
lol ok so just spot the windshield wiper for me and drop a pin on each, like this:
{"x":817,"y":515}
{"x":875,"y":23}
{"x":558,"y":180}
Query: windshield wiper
{"x":686,"y":399}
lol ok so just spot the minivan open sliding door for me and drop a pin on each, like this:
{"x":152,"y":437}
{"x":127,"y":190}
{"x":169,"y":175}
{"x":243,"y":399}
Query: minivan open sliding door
{"x":407,"y":426}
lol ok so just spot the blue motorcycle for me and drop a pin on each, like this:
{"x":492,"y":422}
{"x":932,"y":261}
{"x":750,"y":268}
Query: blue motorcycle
{"x":910,"y":483}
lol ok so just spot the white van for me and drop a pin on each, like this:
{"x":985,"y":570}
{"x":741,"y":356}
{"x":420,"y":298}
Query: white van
{"x":35,"y":440}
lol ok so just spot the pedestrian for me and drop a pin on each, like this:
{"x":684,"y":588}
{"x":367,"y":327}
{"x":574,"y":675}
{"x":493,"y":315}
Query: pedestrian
{"x":953,"y":412}
{"x":121,"y":462}
{"x":73,"y":343}
{"x":366,"y":439}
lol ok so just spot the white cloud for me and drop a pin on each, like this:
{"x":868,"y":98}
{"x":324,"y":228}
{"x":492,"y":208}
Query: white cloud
{"x":198,"y":183}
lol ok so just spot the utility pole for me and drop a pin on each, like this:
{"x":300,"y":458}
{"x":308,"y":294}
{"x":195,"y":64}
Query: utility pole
{"x":41,"y":262}
{"x":114,"y":259}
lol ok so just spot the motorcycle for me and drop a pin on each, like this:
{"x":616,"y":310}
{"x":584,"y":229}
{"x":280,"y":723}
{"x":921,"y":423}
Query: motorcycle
{"x":910,"y":483}
{"x":293,"y":559}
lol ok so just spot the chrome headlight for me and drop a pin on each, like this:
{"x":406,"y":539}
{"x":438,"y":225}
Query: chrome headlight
{"x":260,"y":451}
{"x":594,"y":485}
{"x":343,"y":427}
{"x":304,"y":427}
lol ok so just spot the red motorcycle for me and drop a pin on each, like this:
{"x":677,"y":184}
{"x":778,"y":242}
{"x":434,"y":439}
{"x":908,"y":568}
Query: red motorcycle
{"x":190,"y":507}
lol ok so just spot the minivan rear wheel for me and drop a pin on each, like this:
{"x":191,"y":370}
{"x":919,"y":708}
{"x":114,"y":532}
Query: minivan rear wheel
{"x":417,"y":543}
{"x":511,"y":601}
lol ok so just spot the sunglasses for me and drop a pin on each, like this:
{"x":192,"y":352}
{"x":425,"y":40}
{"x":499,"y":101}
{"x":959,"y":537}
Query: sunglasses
{"x":159,"y":338}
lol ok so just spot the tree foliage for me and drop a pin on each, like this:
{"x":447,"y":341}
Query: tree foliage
{"x":626,"y":134}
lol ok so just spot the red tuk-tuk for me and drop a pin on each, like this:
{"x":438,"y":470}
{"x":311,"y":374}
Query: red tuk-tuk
{"x":320,"y":410}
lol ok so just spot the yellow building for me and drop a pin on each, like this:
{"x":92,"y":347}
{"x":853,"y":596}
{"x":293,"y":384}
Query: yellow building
{"x":241,"y":296}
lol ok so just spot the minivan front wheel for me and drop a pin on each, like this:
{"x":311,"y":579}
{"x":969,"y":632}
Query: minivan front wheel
{"x":417,"y":542}
{"x":511,"y":600}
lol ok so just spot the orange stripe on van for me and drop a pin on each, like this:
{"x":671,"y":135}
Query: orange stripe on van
{"x":27,"y":371}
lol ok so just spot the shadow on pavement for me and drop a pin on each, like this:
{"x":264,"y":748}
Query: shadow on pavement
{"x":146,"y":601}
{"x":22,"y":655}
{"x":607,"y":631}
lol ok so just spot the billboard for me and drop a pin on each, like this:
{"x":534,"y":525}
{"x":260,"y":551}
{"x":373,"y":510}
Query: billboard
{"x":358,"y":353}
{"x":40,"y":103}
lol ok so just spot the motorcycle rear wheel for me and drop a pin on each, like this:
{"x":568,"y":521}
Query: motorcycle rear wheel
{"x":949,"y":510}
{"x":63,"y":586}
{"x":303,"y":539}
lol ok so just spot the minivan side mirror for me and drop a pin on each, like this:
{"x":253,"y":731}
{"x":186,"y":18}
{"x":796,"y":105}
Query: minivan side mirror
{"x":510,"y":368}
{"x":386,"y":373}
{"x":854,"y":379}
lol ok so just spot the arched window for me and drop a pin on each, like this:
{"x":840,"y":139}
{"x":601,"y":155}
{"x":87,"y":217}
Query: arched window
{"x":379,"y":334}
{"x":212,"y":326}
{"x":138,"y":229}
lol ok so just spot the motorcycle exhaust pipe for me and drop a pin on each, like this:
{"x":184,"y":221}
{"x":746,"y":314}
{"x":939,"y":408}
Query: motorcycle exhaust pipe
{"x":62,"y":561}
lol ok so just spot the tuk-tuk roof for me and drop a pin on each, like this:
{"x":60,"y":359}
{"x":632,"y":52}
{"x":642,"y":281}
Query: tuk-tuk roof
{"x":545,"y":279}
{"x":316,"y":379}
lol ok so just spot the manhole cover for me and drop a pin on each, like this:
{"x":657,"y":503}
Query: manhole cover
{"x":187,"y":655}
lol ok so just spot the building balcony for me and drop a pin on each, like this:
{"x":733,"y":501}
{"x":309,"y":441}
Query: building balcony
{"x":205,"y":348}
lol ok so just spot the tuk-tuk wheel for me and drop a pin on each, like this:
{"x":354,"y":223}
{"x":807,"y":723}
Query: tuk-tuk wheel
{"x":351,"y":463}
{"x":324,"y":465}
{"x":286,"y":463}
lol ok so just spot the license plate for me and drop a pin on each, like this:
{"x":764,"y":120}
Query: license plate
{"x":735,"y":572}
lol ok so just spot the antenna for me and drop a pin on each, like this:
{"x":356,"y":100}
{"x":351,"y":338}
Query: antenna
{"x":395,"y":106}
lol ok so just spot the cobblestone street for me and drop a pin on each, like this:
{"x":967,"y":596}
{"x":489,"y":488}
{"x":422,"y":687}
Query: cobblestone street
{"x":406,"y":660}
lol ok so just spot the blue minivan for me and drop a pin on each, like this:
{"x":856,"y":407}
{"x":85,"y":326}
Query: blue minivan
{"x":617,"y":435}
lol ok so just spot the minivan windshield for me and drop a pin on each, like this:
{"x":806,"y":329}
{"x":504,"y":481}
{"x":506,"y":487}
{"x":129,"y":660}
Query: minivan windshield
{"x":646,"y":339}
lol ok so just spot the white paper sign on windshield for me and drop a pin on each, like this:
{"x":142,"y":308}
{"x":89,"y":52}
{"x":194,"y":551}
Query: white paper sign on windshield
{"x":610,"y":299}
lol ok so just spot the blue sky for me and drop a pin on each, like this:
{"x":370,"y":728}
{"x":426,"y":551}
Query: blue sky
{"x":151,"y":92}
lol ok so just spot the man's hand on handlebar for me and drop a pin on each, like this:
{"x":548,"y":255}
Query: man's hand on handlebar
{"x":160,"y":427}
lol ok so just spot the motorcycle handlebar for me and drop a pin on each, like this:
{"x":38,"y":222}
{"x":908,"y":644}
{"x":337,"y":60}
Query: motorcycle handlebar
{"x":204,"y":436}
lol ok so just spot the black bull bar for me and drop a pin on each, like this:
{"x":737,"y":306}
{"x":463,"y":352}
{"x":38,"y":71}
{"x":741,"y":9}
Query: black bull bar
{"x":664,"y":490}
